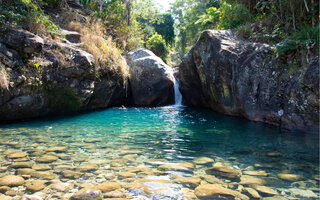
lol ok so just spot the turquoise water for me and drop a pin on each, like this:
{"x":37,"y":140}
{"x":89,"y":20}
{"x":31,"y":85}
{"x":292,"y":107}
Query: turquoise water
{"x":173,"y":134}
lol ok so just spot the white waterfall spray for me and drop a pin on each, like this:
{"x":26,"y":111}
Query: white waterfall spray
{"x":177,"y":94}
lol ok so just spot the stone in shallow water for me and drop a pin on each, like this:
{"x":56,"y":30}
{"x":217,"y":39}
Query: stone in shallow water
{"x":71,"y":174}
{"x":4,"y":197}
{"x":88,"y":195}
{"x":182,"y":166}
{"x":252,"y":193}
{"x":256,"y":173}
{"x":87,"y":167}
{"x":123,"y":175}
{"x":291,"y":177}
{"x":3,"y":189}
{"x":203,"y":160}
{"x":251,"y":180}
{"x":57,"y":149}
{"x":274,"y":154}
{"x":44,"y":175}
{"x":108,"y":186}
{"x":25,"y":171}
{"x":265,"y":190}
{"x":302,"y":193}
{"x":35,"y":185}
{"x":11,"y":180}
{"x":62,"y":187}
{"x":214,"y":191}
{"x":41,"y":167}
{"x":211,"y":179}
{"x":17,"y":155}
{"x":21,"y":165}
{"x":192,"y":182}
{"x":275,"y":198}
{"x":47,"y":159}
{"x":224,"y":172}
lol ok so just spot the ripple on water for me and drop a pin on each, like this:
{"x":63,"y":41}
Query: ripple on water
{"x":157,"y":153}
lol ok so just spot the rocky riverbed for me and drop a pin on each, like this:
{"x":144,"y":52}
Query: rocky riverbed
{"x":59,"y":165}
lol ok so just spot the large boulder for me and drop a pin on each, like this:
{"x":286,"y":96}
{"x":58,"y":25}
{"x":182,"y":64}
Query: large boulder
{"x":241,"y":78}
{"x":24,"y":42}
{"x":56,"y":79}
{"x":151,"y":79}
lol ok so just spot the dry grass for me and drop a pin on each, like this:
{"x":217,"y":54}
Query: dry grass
{"x":4,"y":82}
{"x":105,"y":52}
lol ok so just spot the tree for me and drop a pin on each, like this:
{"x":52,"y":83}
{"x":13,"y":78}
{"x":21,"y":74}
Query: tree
{"x":165,"y":27}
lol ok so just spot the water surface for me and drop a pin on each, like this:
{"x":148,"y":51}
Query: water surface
{"x":167,"y":135}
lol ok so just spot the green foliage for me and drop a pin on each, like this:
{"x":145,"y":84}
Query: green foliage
{"x":232,"y":15}
{"x":158,"y":46}
{"x":164,"y":27}
{"x":29,"y":15}
{"x":244,"y":32}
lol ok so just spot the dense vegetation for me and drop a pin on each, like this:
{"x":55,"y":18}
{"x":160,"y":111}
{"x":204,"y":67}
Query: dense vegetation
{"x":292,"y":26}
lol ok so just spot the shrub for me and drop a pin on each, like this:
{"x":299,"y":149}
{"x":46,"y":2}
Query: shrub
{"x":244,"y":32}
{"x":29,"y":15}
{"x":158,"y":46}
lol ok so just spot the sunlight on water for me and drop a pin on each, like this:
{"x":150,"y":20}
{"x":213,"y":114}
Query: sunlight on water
{"x":120,"y":140}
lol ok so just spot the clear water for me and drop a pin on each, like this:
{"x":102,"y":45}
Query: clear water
{"x":173,"y":134}
{"x":177,"y":93}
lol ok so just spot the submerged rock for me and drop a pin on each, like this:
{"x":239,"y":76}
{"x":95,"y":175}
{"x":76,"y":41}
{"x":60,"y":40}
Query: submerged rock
{"x":203,"y":161}
{"x":224,"y":172}
{"x":88,"y":195}
{"x":151,"y":79}
{"x":11,"y":180}
{"x":291,"y":177}
{"x":241,"y":78}
{"x":214,"y":191}
{"x":108,"y":186}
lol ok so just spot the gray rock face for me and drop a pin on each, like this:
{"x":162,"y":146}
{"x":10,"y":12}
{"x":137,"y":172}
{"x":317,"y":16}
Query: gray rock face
{"x":244,"y":79}
{"x":60,"y":79}
{"x":151,"y":79}
{"x":22,"y":41}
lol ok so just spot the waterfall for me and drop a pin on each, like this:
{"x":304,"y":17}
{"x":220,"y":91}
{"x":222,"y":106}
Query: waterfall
{"x":177,"y":94}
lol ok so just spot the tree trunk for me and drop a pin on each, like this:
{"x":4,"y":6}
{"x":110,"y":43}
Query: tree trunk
{"x":100,"y":5}
{"x":128,"y":7}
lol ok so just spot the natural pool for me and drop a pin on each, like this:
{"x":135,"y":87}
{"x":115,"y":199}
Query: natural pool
{"x":135,"y":153}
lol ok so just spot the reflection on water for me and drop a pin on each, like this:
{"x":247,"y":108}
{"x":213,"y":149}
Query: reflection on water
{"x":150,"y":137}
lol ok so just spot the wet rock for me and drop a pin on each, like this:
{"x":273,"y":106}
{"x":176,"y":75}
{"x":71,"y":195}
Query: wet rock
{"x":41,"y":167}
{"x":4,"y":197}
{"x":256,"y":173}
{"x":275,"y":198}
{"x":17,"y":155}
{"x":57,"y":149}
{"x":214,"y":191}
{"x":251,"y":193}
{"x":121,"y":193}
{"x":302,"y":193}
{"x":31,"y":197}
{"x":35,"y":185}
{"x":191,"y":182}
{"x":210,"y":178}
{"x":47,"y":175}
{"x":108,"y":186}
{"x":88,"y":195}
{"x":47,"y":159}
{"x":264,"y":190}
{"x":291,"y":177}
{"x":203,"y":161}
{"x":251,"y":180}
{"x":151,"y":79}
{"x":71,"y":174}
{"x":274,"y":154}
{"x":62,"y":187}
{"x":183,"y":166}
{"x":123,"y":175}
{"x":224,"y":172}
{"x":60,"y":168}
{"x":21,"y":165}
{"x":25,"y":171}
{"x":11,"y":180}
{"x":188,"y":194}
{"x":87,"y":167}
{"x":4,"y":189}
